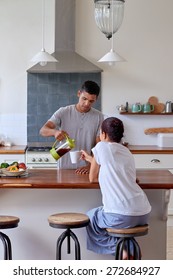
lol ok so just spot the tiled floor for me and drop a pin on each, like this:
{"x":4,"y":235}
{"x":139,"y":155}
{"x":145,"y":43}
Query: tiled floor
{"x":170,"y":243}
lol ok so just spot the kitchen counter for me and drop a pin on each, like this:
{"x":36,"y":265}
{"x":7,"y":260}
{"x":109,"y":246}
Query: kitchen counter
{"x":45,"y":192}
{"x":18,"y":149}
{"x":135,"y":149}
{"x":68,"y":179}
{"x":150,"y":149}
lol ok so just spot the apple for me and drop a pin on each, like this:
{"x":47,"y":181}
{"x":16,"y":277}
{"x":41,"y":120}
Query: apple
{"x":22,"y":165}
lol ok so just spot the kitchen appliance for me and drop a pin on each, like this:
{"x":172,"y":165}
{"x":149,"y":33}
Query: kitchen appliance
{"x":69,"y":73}
{"x":165,"y":139}
{"x":69,"y":60}
{"x":60,"y":148}
{"x":121,"y":108}
{"x":40,"y":157}
{"x":168,"y":107}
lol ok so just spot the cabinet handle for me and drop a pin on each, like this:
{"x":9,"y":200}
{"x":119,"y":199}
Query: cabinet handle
{"x":155,"y":160}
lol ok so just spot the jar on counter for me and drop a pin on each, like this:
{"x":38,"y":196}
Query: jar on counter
{"x":60,"y":148}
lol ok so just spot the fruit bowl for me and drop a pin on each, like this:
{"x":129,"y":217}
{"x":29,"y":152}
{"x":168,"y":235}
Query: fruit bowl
{"x":12,"y":173}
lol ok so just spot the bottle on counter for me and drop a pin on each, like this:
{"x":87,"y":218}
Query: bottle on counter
{"x":60,"y":148}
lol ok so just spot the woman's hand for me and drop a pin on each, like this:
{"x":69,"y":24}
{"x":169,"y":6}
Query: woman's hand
{"x":83,"y":170}
{"x":86,"y":156}
{"x":137,"y":180}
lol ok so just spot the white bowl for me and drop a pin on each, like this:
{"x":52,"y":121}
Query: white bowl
{"x":12,"y":173}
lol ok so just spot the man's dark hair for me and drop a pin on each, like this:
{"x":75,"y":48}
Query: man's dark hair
{"x":114,"y":128}
{"x":91,"y":88}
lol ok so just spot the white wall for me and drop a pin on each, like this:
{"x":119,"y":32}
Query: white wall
{"x":144,"y":40}
{"x":21,"y":39}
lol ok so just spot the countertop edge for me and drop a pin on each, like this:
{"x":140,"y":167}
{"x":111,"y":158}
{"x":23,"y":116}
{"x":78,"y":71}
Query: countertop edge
{"x":67,"y":179}
{"x":16,"y":149}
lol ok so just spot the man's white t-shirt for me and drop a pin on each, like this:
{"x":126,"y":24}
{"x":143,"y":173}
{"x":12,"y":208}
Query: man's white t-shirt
{"x":82,"y":127}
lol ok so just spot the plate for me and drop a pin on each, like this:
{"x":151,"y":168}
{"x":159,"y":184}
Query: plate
{"x":12,"y":173}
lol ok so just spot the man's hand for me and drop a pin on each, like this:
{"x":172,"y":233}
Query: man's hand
{"x":60,"y":134}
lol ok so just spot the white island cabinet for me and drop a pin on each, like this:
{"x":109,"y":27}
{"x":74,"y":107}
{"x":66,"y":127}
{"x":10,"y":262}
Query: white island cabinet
{"x":156,"y":161}
{"x":154,"y":157}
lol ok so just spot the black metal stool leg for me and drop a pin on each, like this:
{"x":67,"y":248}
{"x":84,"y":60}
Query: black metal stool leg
{"x":68,"y":241}
{"x":7,"y":246}
{"x":124,"y":244}
{"x":137,"y":250}
{"x":68,"y":233}
{"x":119,"y":249}
{"x":127,"y":247}
{"x":77,"y":245}
{"x":59,"y":244}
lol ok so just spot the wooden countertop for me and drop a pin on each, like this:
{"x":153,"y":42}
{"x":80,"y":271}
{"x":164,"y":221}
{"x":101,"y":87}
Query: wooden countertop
{"x":18,"y":149}
{"x":67,"y":179}
{"x":135,"y":149}
{"x":150,"y":149}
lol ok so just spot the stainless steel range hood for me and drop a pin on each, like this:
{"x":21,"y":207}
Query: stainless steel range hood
{"x":69,"y":60}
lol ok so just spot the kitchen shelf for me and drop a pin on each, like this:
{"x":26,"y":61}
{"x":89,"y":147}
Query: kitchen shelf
{"x":146,"y":114}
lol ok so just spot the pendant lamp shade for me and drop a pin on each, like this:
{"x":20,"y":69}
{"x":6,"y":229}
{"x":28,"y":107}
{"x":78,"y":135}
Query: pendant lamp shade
{"x":43,"y":57}
{"x":103,"y":15}
{"x":111,"y":57}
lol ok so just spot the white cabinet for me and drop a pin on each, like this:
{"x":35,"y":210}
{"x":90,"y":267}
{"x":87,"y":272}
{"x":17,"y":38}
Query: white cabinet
{"x":156,"y":161}
{"x":12,"y":157}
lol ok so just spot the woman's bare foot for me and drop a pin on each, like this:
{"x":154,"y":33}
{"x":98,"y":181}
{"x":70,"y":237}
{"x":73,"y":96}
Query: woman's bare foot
{"x":125,"y":256}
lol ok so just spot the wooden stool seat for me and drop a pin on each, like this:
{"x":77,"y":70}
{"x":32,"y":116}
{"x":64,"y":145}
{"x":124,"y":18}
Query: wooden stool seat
{"x":135,"y":231}
{"x":126,"y":237}
{"x":7,"y":222}
{"x":72,"y":220}
{"x":68,"y":221}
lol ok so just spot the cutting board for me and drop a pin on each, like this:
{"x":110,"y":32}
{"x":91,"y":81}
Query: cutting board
{"x":156,"y":130}
{"x":158,"y":107}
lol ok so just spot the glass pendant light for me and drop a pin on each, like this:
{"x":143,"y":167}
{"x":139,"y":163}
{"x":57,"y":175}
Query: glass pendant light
{"x":43,"y":57}
{"x":103,"y":15}
{"x":111,"y":57}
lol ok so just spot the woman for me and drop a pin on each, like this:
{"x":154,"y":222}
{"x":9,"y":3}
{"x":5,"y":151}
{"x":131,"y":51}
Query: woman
{"x":124,"y":203}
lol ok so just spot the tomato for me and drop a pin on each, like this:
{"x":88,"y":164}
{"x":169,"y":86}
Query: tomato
{"x":22,"y":165}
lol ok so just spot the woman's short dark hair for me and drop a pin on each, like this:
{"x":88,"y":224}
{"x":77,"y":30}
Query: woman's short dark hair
{"x":114,"y":128}
{"x":91,"y":87}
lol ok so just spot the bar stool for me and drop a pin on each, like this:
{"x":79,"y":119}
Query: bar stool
{"x":68,"y":221}
{"x":126,"y":241}
{"x":5,"y":223}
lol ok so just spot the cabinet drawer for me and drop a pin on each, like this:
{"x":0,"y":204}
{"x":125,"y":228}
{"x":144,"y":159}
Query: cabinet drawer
{"x":154,"y":161}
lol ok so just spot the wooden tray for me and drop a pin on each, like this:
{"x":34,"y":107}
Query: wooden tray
{"x":158,"y":107}
{"x":156,"y":130}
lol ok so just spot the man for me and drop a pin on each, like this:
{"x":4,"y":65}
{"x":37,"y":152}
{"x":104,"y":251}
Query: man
{"x":80,"y":121}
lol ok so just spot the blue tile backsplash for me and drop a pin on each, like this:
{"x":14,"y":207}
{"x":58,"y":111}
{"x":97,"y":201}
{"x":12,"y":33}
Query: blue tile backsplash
{"x":49,"y":91}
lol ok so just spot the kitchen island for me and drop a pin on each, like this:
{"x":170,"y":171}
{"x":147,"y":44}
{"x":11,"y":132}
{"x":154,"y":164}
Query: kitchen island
{"x":44,"y":192}
{"x":68,"y":179}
